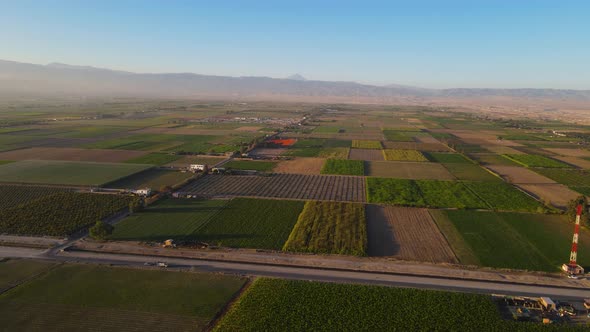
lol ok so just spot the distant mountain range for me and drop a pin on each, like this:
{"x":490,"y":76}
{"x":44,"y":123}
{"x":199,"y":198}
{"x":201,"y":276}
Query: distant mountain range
{"x":58,"y":79}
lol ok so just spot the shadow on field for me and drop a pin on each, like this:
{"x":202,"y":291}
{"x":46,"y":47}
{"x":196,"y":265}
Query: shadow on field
{"x":380,"y":235}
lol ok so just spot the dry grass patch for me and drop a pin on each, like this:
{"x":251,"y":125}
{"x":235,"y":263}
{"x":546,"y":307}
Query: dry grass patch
{"x":300,"y":166}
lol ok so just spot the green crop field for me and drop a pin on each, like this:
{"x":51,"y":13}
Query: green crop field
{"x":16,"y":271}
{"x":13,"y":195}
{"x":361,"y":144}
{"x":61,"y":213}
{"x":505,"y":197}
{"x":492,"y":159}
{"x":271,"y":304}
{"x":582,"y":190}
{"x":447,"y":158}
{"x":421,"y":193}
{"x":344,"y":167}
{"x":261,"y":166}
{"x":154,"y":159}
{"x":2,"y":162}
{"x":152,"y":178}
{"x":403,"y":155}
{"x":174,"y":219}
{"x":86,"y":297}
{"x":531,"y":160}
{"x":399,"y":136}
{"x":251,"y":223}
{"x":66,"y":172}
{"x":330,"y":227}
{"x":471,"y":172}
{"x":529,"y":241}
{"x":566,"y":176}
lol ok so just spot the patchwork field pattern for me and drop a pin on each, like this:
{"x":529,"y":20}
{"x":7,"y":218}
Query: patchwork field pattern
{"x":566,"y":176}
{"x":291,"y":186}
{"x":330,"y":227}
{"x":434,"y":147}
{"x":13,"y":195}
{"x":406,"y":233}
{"x":520,"y":175}
{"x":151,"y":178}
{"x":261,"y":166}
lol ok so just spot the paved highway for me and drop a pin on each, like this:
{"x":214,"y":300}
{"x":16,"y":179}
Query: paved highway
{"x":301,"y":273}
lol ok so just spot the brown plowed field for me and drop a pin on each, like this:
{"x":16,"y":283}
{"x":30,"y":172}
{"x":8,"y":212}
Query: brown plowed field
{"x":407,"y":170}
{"x":558,"y":194}
{"x":406,"y":233}
{"x":517,"y":174}
{"x":292,"y":186}
{"x":582,"y":163}
{"x":503,"y":142}
{"x":431,"y":147}
{"x":311,"y":166}
{"x":71,"y":154}
{"x":365,"y":154}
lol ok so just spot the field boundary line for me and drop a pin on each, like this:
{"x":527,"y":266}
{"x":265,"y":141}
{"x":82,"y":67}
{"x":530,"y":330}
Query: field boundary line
{"x":228,"y":305}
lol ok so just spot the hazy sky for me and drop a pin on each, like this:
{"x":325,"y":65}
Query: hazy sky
{"x":476,"y":43}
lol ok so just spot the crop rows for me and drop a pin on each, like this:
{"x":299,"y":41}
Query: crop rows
{"x":403,"y":155}
{"x":344,"y":167}
{"x":361,"y":144}
{"x":274,"y":304}
{"x":60,"y":214}
{"x":531,"y":160}
{"x":16,"y":195}
{"x":330,"y":227}
{"x":293,"y":186}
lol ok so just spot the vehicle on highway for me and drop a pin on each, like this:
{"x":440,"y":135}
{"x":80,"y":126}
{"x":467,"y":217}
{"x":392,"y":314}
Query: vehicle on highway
{"x":162,"y":264}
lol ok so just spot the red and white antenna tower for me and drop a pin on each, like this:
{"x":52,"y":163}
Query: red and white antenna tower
{"x":572,"y":267}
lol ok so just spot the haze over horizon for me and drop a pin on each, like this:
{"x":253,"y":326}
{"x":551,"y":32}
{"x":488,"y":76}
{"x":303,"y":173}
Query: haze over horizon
{"x":458,"y":44}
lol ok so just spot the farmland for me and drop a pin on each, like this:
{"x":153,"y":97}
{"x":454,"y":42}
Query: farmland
{"x":361,"y":144}
{"x":330,"y":227}
{"x":315,"y":306}
{"x":407,"y":170}
{"x":13,"y":195}
{"x":406,"y":233}
{"x":471,"y":172}
{"x":61,"y":213}
{"x":151,"y":178}
{"x":566,"y":176}
{"x":453,"y":158}
{"x":66,"y":172}
{"x":251,"y":223}
{"x":261,"y":166}
{"x":153,"y":159}
{"x":343,"y":167}
{"x":73,"y":297}
{"x":170,"y":218}
{"x":290,"y":186}
{"x":504,"y":197}
{"x":365,"y":154}
{"x":13,"y":272}
{"x":529,"y":241}
{"x":399,"y":136}
{"x":403,"y":155}
{"x":310,"y":166}
{"x":530,"y":160}
{"x":70,"y":154}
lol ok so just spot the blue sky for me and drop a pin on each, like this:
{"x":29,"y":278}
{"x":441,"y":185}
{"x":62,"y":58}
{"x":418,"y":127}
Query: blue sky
{"x":477,"y":43}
